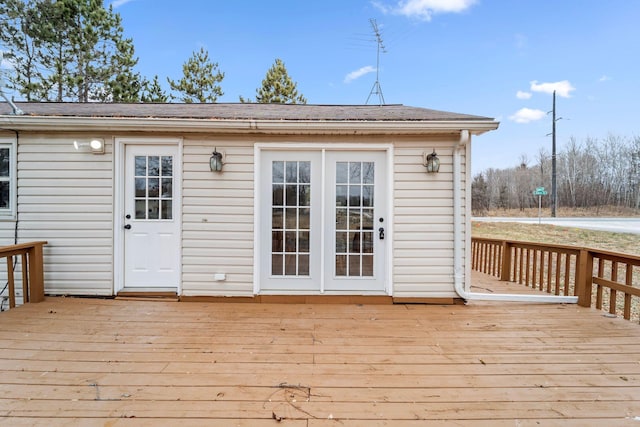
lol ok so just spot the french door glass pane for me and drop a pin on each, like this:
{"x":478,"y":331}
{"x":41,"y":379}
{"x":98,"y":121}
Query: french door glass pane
{"x":153,"y":187}
{"x":290,"y":218}
{"x":354,"y":206}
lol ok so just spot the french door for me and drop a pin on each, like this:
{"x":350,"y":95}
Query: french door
{"x":323,"y":222}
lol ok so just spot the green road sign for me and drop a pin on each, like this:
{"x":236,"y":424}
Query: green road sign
{"x":540,"y":191}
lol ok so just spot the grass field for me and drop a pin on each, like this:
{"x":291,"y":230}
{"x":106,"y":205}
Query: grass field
{"x":543,"y":233}
{"x":564,"y":212}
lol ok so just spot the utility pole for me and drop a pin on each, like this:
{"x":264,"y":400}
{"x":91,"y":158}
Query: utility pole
{"x":554,"y":194}
{"x":376,"y":89}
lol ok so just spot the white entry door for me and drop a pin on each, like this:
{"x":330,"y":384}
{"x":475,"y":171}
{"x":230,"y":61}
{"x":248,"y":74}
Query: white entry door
{"x":151,"y":217}
{"x":323,"y":224}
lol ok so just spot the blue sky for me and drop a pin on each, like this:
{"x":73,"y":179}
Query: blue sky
{"x":495,"y":58}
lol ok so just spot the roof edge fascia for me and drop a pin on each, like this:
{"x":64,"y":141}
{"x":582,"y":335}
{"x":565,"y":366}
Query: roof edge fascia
{"x":39,"y":123}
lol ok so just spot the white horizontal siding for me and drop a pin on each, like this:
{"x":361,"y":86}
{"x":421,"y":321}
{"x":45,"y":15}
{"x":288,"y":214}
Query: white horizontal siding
{"x":217,"y":219}
{"x":65,"y":197}
{"x":423,"y":221}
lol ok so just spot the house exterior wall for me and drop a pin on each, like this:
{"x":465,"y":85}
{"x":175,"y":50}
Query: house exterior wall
{"x":67,"y":197}
{"x":423,"y":215}
{"x":217,"y":217}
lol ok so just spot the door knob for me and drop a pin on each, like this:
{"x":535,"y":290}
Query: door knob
{"x":127,"y":226}
{"x":381,"y":231}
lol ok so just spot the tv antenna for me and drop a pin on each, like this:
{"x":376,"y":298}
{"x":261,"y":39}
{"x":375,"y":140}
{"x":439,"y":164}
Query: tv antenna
{"x":15,"y":109}
{"x":377,"y":89}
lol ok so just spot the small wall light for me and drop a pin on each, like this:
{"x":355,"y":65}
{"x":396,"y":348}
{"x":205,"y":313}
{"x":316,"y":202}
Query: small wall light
{"x":215,"y":162}
{"x":431,"y":162}
{"x":96,"y":145}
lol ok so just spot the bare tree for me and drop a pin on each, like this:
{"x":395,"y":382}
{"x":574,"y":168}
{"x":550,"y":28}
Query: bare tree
{"x":591,"y":173}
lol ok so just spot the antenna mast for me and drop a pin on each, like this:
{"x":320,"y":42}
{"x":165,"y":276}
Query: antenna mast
{"x":377,"y":89}
{"x":15,"y":109}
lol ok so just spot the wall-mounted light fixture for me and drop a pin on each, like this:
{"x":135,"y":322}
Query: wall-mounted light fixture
{"x":215,"y":162}
{"x":431,"y":162}
{"x":96,"y":145}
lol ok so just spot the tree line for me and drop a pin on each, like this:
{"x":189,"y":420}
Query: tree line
{"x":590,"y":174}
{"x":76,"y":51}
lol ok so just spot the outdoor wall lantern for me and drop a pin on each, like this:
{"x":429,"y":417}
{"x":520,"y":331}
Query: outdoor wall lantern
{"x":96,"y":145}
{"x":432,"y":162}
{"x":215,"y":162}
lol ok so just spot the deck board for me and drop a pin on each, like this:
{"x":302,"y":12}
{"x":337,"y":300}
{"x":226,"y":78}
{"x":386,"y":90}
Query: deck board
{"x":93,"y":362}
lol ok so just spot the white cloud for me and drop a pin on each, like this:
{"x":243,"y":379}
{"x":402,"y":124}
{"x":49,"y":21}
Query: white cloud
{"x":523,"y":95}
{"x":562,"y":88}
{"x":604,"y":78}
{"x":359,"y":73}
{"x":117,"y":3}
{"x":425,"y":9}
{"x":526,"y":115}
{"x":5,"y":62}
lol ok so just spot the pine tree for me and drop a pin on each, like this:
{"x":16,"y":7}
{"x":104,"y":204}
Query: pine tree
{"x":277,"y":87}
{"x":22,"y":50}
{"x":152,"y":91}
{"x":200,"y":80}
{"x":69,"y":50}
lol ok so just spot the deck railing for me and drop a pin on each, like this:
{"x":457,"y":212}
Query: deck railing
{"x":32,"y":271}
{"x":605,"y":280}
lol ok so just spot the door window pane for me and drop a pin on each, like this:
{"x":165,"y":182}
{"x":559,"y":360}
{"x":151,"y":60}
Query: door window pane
{"x":5,"y":162}
{"x":153,"y":187}
{"x":167,"y":188}
{"x":277,"y":171}
{"x":141,"y":209}
{"x":368,"y":174}
{"x":304,"y":219}
{"x":5,"y":193}
{"x":167,"y":166}
{"x":153,"y":163}
{"x":141,"y":187}
{"x":290,"y":218}
{"x":141,"y":166}
{"x":277,"y":261}
{"x":153,"y":207}
{"x":167,"y":209}
{"x":5,"y":178}
{"x":342,"y":173}
{"x":354,"y":190}
{"x":304,"y":195}
{"x":303,"y":265}
{"x":291,"y":195}
{"x":277,"y":219}
{"x":304,"y":169}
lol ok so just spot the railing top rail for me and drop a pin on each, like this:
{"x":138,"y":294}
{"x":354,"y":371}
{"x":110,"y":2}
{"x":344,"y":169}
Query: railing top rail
{"x":532,"y":245}
{"x":615,"y":256}
{"x":487,"y":240}
{"x":10,"y":249}
{"x":598,"y":253}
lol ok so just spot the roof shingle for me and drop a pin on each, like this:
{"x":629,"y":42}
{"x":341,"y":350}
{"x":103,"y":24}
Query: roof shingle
{"x":239,"y":111}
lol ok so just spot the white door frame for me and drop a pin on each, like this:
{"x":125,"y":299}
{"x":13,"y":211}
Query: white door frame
{"x":119,"y":195}
{"x":323,"y":147}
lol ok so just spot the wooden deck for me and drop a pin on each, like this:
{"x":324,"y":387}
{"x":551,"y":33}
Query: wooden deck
{"x":92,"y":362}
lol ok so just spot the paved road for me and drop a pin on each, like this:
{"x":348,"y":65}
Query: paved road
{"x":619,"y":225}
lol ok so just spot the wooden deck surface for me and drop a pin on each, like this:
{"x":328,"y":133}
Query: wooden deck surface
{"x":93,"y":362}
